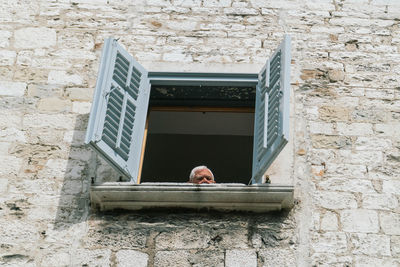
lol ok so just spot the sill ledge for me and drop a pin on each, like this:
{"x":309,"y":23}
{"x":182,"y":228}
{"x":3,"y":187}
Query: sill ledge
{"x":226,"y":197}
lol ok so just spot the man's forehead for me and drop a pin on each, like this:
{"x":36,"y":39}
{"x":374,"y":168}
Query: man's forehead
{"x":202,"y":171}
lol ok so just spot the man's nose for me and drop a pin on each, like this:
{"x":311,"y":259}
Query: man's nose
{"x":205,"y":180}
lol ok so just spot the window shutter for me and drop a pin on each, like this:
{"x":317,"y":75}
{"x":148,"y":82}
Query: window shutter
{"x":271,"y":129}
{"x":118,"y":114}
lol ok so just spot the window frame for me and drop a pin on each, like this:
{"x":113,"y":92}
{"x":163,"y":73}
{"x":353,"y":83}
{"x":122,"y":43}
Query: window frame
{"x":272,"y":106}
{"x":131,"y":195}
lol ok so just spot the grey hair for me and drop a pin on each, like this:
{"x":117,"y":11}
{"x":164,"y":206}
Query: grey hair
{"x":199,"y":168}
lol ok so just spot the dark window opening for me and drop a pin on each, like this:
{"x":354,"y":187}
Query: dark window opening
{"x":199,"y":125}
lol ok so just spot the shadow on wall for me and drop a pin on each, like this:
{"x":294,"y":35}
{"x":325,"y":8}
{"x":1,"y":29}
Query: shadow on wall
{"x":189,"y":238}
{"x":83,"y":162}
{"x":73,"y":206}
{"x":82,"y":167}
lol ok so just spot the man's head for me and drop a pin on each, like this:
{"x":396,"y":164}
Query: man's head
{"x":201,"y":175}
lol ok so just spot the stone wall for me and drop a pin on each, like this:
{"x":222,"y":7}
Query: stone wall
{"x":344,"y":150}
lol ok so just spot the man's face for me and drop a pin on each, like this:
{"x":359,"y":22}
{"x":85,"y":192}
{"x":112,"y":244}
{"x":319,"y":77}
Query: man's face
{"x":203,"y":176}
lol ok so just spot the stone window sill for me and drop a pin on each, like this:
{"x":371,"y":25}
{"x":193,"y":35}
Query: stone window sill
{"x":226,"y":197}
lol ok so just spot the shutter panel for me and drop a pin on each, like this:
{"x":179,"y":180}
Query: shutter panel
{"x":271,"y":123}
{"x":118,"y":114}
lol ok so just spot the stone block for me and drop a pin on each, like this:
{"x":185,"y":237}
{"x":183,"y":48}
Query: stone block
{"x":126,"y":258}
{"x":367,"y":261}
{"x":75,"y":138}
{"x":217,"y":3}
{"x":334,"y":113}
{"x":72,"y":187}
{"x":367,"y":114}
{"x":329,"y":242}
{"x":183,"y":239}
{"x":241,"y":11}
{"x":379,"y":201}
{"x":35,"y":37}
{"x":370,"y":158}
{"x":272,"y":257}
{"x":372,"y":143}
{"x":234,"y":237}
{"x":380,"y":94}
{"x":54,"y":104}
{"x":359,"y":221}
{"x":354,"y":128}
{"x":7,"y":57}
{"x":347,"y":185}
{"x":75,"y":40}
{"x":172,"y":258}
{"x":335,"y":200}
{"x":96,"y":257}
{"x":329,"y":221}
{"x":240,"y":258}
{"x":17,"y":259}
{"x":395,"y":245}
{"x":54,"y":168}
{"x":331,"y":141}
{"x":12,"y":88}
{"x":205,"y":258}
{"x":81,"y":107}
{"x":388,"y":129}
{"x":319,"y":156}
{"x":22,"y":233}
{"x":10,"y":165}
{"x":64,"y":78}
{"x":63,"y":55}
{"x":5,"y":38}
{"x":58,"y":258}
{"x":321,"y":128}
{"x":44,"y":90}
{"x":187,"y":3}
{"x":177,"y":57}
{"x":12,"y":135}
{"x":24,"y":58}
{"x":79,"y":93}
{"x":345,"y":171}
{"x":370,"y":244}
{"x":119,"y":235}
{"x":330,"y":259}
{"x":3,"y":185}
{"x":54,"y":121}
{"x":390,"y":223}
{"x":336,"y":75}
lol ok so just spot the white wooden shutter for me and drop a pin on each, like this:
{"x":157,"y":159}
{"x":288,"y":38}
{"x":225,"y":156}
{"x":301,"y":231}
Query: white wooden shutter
{"x":118,"y":114}
{"x":271,"y":124}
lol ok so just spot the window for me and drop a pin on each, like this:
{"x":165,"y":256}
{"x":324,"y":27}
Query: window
{"x":123,"y":115}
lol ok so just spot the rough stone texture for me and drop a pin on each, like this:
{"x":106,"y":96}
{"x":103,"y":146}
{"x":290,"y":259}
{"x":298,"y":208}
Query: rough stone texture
{"x":362,"y":244}
{"x":389,"y":221}
{"x":363,"y":221}
{"x":244,"y":258}
{"x":127,"y":258}
{"x":277,"y":257}
{"x":344,"y":140}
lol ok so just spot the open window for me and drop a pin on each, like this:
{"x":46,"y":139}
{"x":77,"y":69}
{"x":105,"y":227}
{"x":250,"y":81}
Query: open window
{"x":156,"y":126}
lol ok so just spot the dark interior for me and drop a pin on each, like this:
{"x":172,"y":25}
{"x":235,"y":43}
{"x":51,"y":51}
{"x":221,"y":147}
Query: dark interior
{"x":170,"y":157}
{"x":178,"y":141}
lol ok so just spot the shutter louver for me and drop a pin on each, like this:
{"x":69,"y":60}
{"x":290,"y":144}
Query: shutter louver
{"x":117,"y":118}
{"x":271,"y":129}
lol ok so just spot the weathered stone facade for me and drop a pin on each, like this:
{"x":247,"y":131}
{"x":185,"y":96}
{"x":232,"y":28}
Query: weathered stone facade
{"x":345,"y":148}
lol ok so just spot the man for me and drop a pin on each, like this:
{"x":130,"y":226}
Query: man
{"x":201,"y":175}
